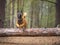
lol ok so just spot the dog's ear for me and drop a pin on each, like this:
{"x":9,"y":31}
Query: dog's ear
{"x":24,"y":15}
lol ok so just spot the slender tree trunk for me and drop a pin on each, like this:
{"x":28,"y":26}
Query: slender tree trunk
{"x":35,"y":9}
{"x":31,"y":14}
{"x":57,"y":12}
{"x":17,"y":4}
{"x":15,"y":13}
{"x":13,"y":2}
{"x":2,"y":13}
{"x":11,"y":14}
{"x":37,"y":13}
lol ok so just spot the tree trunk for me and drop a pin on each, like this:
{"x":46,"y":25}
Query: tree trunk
{"x":57,"y":12}
{"x":2,"y":12}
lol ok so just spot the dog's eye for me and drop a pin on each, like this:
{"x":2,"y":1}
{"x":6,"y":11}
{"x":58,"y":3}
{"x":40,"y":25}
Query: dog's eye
{"x":19,"y":16}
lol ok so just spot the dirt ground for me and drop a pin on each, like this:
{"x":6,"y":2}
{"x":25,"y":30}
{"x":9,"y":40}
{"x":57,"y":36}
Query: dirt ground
{"x":41,"y":40}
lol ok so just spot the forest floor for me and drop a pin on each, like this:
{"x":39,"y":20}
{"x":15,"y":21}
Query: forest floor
{"x":41,"y":40}
{"x":7,"y":36}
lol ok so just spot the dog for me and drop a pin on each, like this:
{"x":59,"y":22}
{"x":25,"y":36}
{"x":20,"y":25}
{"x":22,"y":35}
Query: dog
{"x":21,"y":20}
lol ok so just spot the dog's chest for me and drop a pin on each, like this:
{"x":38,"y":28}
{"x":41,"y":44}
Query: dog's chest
{"x":20,"y":22}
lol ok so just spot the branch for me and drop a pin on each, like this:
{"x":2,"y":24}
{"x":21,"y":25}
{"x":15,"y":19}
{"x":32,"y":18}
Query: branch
{"x":49,"y":1}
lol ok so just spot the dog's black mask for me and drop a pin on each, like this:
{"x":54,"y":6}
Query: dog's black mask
{"x":19,"y":15}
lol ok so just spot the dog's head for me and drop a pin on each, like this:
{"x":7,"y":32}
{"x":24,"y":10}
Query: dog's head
{"x":19,"y":15}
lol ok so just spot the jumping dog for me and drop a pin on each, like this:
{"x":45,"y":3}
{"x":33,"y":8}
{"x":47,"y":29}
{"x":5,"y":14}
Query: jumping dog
{"x":21,"y":20}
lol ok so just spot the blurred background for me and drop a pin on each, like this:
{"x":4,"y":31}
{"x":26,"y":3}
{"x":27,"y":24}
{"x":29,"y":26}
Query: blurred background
{"x":40,"y":13}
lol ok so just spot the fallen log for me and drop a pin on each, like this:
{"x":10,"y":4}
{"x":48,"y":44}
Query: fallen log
{"x":30,"y":32}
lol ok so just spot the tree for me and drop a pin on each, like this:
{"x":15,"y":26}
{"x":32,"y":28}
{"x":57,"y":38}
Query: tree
{"x":57,"y":12}
{"x":2,"y":13}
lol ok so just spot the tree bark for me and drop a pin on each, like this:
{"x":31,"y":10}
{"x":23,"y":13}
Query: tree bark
{"x":2,"y":12}
{"x":57,"y":12}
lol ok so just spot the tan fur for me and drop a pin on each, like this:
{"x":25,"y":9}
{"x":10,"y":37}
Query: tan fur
{"x":24,"y":23}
